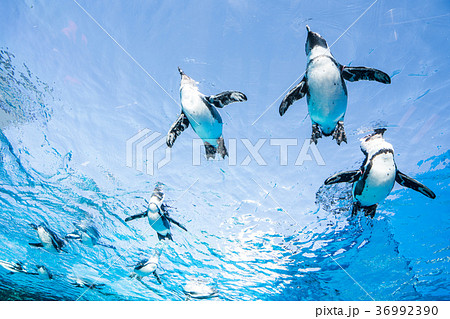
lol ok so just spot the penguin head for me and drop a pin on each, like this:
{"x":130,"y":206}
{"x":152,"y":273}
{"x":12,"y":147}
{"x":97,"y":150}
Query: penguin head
{"x":186,"y":80}
{"x":314,"y":40}
{"x":377,"y":133}
{"x":374,"y":142}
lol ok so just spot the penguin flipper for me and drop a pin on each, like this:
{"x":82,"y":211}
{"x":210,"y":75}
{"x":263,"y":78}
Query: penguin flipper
{"x":36,"y":244}
{"x":225,"y":98}
{"x":106,"y":245}
{"x":157,"y":277}
{"x":210,"y":151}
{"x":356,"y":73}
{"x":344,"y":177}
{"x":73,"y":236}
{"x":179,"y":126}
{"x":141,"y":215}
{"x":409,"y":182}
{"x":295,"y":94}
{"x":173,"y":221}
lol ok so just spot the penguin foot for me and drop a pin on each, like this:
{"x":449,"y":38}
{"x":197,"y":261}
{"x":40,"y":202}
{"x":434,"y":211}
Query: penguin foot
{"x":210,"y":151}
{"x":162,"y":237}
{"x":171,"y":137}
{"x":356,"y":207}
{"x":370,"y":211}
{"x":339,"y":133}
{"x":222,"y":150}
{"x":316,"y":133}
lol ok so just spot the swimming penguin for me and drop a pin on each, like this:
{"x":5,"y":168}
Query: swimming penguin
{"x":325,"y":89}
{"x":88,"y":235}
{"x":375,"y":179}
{"x":199,"y":290}
{"x":17,"y":267}
{"x":200,"y":111}
{"x":13,"y":267}
{"x":147,"y":267}
{"x":158,"y":215}
{"x":44,"y":272}
{"x":85,"y":283}
{"x":49,"y":239}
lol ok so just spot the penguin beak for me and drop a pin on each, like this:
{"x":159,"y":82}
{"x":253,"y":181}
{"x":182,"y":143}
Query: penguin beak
{"x":181,"y":71}
{"x":378,"y":131}
{"x":314,"y":39}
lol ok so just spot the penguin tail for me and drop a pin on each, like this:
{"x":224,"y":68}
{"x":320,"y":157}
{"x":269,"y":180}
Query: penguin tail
{"x":157,"y":277}
{"x":106,"y":245}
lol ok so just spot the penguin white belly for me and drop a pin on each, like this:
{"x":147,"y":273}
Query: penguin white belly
{"x":146,"y":270}
{"x":327,"y":99}
{"x":87,"y":240}
{"x":42,"y":272}
{"x":156,"y":222}
{"x":207,"y":127}
{"x":379,"y":182}
{"x":45,"y":238}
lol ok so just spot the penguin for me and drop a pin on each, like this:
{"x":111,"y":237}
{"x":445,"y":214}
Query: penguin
{"x":147,"y":267}
{"x":158,"y":215}
{"x":199,"y":290}
{"x":49,"y":239}
{"x":44,"y":272}
{"x":88,"y":235}
{"x":17,"y":267}
{"x":325,"y":89}
{"x":13,"y":267}
{"x":373,"y":182}
{"x":201,"y":112}
{"x":85,"y":283}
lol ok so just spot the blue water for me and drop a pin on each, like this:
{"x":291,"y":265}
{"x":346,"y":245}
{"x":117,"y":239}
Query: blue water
{"x":72,"y":95}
